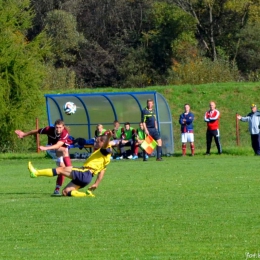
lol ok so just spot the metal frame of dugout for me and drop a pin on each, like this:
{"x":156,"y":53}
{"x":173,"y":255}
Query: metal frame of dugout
{"x":104,"y":108}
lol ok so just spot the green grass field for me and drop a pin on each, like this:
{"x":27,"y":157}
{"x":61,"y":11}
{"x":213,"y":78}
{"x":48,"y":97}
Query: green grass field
{"x":183,"y":208}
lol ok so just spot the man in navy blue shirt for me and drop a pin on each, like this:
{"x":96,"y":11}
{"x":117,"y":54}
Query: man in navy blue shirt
{"x":187,"y":135}
{"x":149,"y":121}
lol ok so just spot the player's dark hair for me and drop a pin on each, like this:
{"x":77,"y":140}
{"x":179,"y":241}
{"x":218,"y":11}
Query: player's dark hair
{"x":127,"y":123}
{"x":149,"y":100}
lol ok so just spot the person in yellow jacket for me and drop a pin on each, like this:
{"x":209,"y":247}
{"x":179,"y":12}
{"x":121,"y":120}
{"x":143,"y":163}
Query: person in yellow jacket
{"x":95,"y":165}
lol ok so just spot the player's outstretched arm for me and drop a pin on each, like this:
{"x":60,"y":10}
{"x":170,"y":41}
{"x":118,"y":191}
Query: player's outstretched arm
{"x":22,"y":134}
{"x":52,"y":147}
{"x":98,"y":180}
{"x":106,"y":143}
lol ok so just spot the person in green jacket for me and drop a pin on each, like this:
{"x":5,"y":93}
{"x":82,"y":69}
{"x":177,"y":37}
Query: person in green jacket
{"x":100,"y":130}
{"x":127,"y":139}
{"x":117,"y":131}
{"x":139,"y":138}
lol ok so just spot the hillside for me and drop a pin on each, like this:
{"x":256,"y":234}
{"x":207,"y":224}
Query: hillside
{"x":231,"y":98}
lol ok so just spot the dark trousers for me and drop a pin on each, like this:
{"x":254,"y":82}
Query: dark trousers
{"x":255,"y":141}
{"x":122,"y":148}
{"x":209,"y":135}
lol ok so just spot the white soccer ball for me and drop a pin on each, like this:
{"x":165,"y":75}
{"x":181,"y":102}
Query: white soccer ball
{"x":69,"y":108}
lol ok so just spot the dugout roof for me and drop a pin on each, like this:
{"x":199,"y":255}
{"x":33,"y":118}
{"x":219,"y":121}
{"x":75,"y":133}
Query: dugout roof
{"x":104,"y":108}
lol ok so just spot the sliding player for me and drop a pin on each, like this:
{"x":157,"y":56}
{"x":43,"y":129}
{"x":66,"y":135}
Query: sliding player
{"x":95,"y":165}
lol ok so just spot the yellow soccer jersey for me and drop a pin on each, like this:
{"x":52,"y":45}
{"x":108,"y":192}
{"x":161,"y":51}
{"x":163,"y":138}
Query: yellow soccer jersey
{"x":98,"y":160}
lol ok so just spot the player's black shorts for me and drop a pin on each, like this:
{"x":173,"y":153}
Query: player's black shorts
{"x":81,"y":176}
{"x":153,"y":132}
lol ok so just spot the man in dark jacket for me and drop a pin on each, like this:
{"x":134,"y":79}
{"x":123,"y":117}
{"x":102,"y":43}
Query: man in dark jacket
{"x":187,"y":134}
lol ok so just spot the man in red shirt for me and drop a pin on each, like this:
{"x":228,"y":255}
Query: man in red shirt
{"x":58,"y":140}
{"x":212,"y":118}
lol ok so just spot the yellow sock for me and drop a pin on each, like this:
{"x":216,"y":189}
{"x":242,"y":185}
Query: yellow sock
{"x":75,"y":193}
{"x":45,"y":172}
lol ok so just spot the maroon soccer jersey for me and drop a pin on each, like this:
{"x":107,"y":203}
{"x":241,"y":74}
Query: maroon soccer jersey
{"x":53,"y":137}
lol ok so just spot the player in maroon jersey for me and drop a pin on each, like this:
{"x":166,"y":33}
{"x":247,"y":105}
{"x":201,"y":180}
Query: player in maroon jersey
{"x":212,"y":119}
{"x":58,"y":141}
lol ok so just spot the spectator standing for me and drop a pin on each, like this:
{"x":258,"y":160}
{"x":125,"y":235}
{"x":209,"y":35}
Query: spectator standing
{"x":149,"y":120}
{"x":212,"y":118}
{"x":187,"y":134}
{"x":253,"y":119}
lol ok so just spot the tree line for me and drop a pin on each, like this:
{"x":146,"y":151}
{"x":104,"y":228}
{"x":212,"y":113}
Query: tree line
{"x":137,"y":43}
{"x":67,"y":44}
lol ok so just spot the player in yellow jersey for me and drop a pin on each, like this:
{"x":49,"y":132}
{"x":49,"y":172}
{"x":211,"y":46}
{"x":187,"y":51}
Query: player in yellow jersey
{"x":95,"y":165}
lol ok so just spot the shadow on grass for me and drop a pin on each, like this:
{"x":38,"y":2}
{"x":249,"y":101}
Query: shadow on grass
{"x":28,"y":193}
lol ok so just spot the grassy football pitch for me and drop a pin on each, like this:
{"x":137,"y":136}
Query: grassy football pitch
{"x":182,"y":208}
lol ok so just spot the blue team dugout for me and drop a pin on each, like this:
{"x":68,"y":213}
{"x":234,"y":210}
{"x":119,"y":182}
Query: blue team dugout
{"x":105,"y":108}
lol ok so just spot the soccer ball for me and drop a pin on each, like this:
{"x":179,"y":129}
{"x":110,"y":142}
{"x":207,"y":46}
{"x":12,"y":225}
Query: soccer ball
{"x":69,"y":108}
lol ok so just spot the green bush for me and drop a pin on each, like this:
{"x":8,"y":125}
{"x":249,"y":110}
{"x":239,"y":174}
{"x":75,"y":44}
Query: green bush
{"x":254,"y":76}
{"x":201,"y":71}
{"x":22,"y":70}
{"x":135,"y":70}
{"x":60,"y":78}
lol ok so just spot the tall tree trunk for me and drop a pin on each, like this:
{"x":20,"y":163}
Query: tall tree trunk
{"x":211,"y":33}
{"x":243,"y":22}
